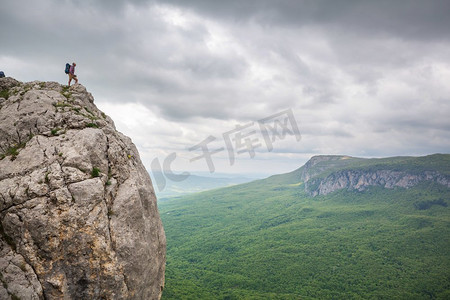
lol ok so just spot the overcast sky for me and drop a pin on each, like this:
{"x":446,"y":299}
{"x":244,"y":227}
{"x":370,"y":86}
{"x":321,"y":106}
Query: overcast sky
{"x":361,"y":78}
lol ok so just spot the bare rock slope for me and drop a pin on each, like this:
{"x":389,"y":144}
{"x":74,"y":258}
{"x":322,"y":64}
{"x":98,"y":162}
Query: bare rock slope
{"x":78,"y":212}
{"x":328,"y":173}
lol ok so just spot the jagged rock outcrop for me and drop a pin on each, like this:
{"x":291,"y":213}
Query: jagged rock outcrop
{"x":326,"y":174}
{"x":78,"y":211}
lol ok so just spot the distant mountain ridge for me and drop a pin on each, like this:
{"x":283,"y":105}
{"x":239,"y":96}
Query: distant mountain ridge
{"x":325,"y":174}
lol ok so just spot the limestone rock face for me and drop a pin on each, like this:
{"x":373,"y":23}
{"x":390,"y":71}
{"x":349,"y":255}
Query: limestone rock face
{"x":338,"y":176}
{"x":78,"y":212}
{"x":355,"y":180}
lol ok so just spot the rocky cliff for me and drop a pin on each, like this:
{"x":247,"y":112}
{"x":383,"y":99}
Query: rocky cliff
{"x":77,"y":208}
{"x":325,"y":174}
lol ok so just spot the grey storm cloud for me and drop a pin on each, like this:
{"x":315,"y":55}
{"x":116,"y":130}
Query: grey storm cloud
{"x":414,"y":19}
{"x":357,"y":73}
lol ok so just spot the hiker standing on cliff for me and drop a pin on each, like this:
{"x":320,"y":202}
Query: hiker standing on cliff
{"x":72,"y":73}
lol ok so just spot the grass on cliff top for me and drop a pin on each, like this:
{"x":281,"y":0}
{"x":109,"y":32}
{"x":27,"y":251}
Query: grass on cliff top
{"x":4,"y":94}
{"x":13,"y":151}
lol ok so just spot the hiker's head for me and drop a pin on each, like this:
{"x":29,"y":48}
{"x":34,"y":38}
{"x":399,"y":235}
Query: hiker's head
{"x":74,"y":64}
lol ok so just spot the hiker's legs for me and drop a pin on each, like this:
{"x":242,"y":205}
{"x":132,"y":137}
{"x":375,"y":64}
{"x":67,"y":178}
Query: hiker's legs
{"x":74,"y":77}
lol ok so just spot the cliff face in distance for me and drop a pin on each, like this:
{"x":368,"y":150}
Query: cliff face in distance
{"x":325,"y":174}
{"x":78,"y":212}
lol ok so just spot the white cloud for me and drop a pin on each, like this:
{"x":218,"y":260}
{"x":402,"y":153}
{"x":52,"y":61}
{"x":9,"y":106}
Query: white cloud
{"x":366,"y":79}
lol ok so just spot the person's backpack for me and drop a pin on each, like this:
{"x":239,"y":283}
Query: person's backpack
{"x":67,"y":68}
{"x":2,"y":74}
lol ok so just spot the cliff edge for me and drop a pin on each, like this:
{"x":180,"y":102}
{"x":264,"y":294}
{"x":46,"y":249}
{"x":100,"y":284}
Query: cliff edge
{"x":78,"y":213}
{"x":328,"y":173}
